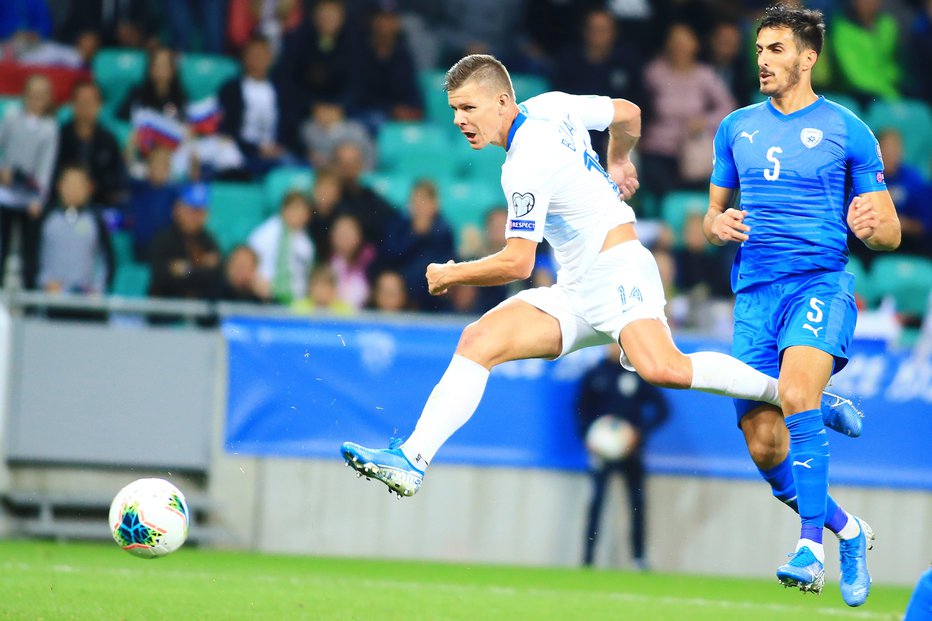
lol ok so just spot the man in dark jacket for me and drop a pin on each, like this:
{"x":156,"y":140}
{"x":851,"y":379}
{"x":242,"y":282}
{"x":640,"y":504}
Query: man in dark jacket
{"x":607,"y":389}
{"x":185,"y":258}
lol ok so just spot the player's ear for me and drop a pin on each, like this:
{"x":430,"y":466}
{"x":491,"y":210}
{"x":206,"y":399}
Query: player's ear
{"x":809,"y":59}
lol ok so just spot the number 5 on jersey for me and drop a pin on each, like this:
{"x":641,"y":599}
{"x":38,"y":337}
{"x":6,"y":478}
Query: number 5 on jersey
{"x":773,"y":175}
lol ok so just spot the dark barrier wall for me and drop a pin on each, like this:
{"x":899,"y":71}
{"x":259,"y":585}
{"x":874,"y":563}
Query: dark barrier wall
{"x":300,"y":389}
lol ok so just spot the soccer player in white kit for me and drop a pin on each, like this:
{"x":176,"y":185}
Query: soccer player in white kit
{"x":608,"y":286}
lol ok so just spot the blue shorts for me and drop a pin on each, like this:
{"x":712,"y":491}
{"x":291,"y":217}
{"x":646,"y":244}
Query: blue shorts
{"x":817,"y":310}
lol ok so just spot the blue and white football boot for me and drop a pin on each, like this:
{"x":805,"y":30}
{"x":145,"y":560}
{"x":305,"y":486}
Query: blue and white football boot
{"x":841,"y":415}
{"x":390,"y":466}
{"x":804,"y":571}
{"x":855,"y":579}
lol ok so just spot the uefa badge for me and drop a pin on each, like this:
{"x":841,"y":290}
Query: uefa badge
{"x":811,"y":137}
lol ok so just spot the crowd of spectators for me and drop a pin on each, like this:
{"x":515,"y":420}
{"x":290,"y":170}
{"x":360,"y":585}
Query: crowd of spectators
{"x":319,"y":78}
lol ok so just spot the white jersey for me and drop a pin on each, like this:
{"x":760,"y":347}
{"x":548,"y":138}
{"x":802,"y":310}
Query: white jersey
{"x":553,"y":182}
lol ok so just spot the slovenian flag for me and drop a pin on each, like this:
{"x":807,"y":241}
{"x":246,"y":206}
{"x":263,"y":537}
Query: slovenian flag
{"x":204,"y":116}
{"x":154,"y":129}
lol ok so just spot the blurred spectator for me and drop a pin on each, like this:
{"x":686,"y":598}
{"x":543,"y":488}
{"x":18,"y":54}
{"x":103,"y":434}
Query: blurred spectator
{"x":727,"y":56}
{"x":185,"y":258}
{"x":600,"y":66}
{"x":241,"y":280}
{"x":329,"y":127}
{"x":285,"y":251}
{"x":686,"y":102}
{"x":25,"y":18}
{"x":482,"y":27}
{"x":911,"y":194}
{"x":386,"y":86}
{"x":254,"y":113}
{"x":390,"y":293}
{"x":325,"y":198}
{"x":272,"y":19}
{"x":322,"y":294}
{"x":552,"y":25}
{"x":203,"y":20}
{"x":75,"y":255}
{"x":865,"y":45}
{"x":920,"y":53}
{"x":358,"y":200}
{"x":414,"y":240}
{"x":151,"y":201}
{"x":83,"y":140}
{"x":350,"y":261}
{"x":126,"y":23}
{"x":477,"y":245}
{"x":160,"y":89}
{"x":318,"y":59}
{"x":699,"y":272}
{"x":608,"y":389}
{"x":28,"y":142}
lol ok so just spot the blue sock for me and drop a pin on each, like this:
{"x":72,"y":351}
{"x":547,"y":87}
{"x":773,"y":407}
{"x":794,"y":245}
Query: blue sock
{"x":809,"y":452}
{"x":781,"y":482}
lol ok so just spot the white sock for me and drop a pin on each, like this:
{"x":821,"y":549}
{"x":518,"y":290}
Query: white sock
{"x":720,"y":374}
{"x":450,"y":405}
{"x":815,"y":548}
{"x":851,"y":529}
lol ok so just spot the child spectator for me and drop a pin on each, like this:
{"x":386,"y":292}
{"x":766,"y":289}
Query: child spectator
{"x":285,"y":251}
{"x":325,"y":197}
{"x":390,"y":293}
{"x":151,"y":202}
{"x":241,"y":280}
{"x":75,"y":253}
{"x":350,"y":260}
{"x":322,"y":294}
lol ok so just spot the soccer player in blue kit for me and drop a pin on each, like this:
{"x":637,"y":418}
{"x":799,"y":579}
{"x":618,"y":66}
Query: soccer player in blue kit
{"x":805,"y":167}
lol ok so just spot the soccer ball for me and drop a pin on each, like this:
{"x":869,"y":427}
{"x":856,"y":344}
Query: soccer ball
{"x":149,"y":518}
{"x":610,"y":438}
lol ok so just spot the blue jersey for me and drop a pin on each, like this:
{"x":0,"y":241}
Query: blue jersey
{"x":797,"y":174}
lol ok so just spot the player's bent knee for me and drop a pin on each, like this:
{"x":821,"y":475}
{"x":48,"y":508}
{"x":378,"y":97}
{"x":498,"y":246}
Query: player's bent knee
{"x":478,"y":343}
{"x":795,"y":398}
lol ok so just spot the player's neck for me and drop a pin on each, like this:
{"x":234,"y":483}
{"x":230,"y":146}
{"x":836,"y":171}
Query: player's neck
{"x":507,"y":121}
{"x":795,"y":99}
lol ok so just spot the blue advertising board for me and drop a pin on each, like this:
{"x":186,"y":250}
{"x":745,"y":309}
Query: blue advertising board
{"x":300,"y":388}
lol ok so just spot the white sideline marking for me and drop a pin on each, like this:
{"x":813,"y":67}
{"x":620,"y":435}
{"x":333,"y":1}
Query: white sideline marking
{"x":844,"y":613}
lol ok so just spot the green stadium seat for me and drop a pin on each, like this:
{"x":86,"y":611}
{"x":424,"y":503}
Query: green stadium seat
{"x":283,"y":180}
{"x":122,"y":243}
{"x":418,"y":149}
{"x":913,"y":119}
{"x":64,"y":113}
{"x":235,"y":210}
{"x":436,"y":106}
{"x":202,"y":75}
{"x":393,"y":187}
{"x":907,"y":279}
{"x":131,"y":280}
{"x":465,"y":203}
{"x":117,"y":71}
{"x":847,"y":101}
{"x":9,"y":105}
{"x":482,"y":165}
{"x":676,"y":206}
{"x":527,"y":86}
{"x":862,"y":280}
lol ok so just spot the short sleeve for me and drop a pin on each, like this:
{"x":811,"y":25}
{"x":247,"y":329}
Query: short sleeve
{"x":865,"y":165}
{"x":528,"y":190}
{"x":724,"y":171}
{"x":595,"y":111}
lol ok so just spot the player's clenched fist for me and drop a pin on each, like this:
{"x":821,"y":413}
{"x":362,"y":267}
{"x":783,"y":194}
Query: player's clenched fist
{"x":862,"y":218}
{"x":437,"y":282}
{"x":729,"y":226}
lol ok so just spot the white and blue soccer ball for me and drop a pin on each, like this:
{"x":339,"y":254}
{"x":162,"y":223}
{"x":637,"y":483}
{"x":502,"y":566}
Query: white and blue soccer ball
{"x":610,"y":438}
{"x":149,"y":518}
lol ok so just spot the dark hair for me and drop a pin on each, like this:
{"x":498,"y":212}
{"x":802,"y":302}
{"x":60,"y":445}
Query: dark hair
{"x":479,"y":67}
{"x":256,"y":39}
{"x":807,"y":25}
{"x":75,"y":166}
{"x":86,"y":83}
{"x":294,"y":196}
{"x":243,"y":248}
{"x":176,"y":93}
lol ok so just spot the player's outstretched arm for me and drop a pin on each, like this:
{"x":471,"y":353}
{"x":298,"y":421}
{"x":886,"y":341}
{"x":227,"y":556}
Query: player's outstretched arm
{"x":514,"y":262}
{"x":623,"y":134}
{"x":723,"y":224}
{"x":872,"y":218}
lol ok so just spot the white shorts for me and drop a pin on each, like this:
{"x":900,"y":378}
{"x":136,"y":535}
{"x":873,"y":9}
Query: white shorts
{"x":623,"y":285}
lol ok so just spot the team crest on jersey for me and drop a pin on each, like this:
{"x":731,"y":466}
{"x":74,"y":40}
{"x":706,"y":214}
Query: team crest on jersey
{"x":811,"y":137}
{"x":522,"y":203}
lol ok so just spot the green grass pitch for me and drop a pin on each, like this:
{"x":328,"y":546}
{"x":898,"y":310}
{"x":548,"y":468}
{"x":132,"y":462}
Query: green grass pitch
{"x":94,"y":582}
